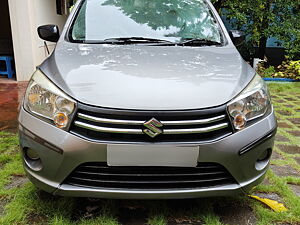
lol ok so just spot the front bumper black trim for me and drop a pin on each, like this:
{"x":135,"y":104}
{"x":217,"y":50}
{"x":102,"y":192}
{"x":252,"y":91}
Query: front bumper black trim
{"x":257,"y":142}
{"x":39,"y":140}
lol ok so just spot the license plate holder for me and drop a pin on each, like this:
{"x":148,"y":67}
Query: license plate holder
{"x":152,"y":155}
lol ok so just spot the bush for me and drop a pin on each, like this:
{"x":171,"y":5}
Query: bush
{"x":268,"y":72}
{"x":288,"y":69}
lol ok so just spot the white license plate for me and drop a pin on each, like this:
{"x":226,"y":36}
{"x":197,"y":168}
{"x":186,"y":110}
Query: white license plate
{"x":152,"y":155}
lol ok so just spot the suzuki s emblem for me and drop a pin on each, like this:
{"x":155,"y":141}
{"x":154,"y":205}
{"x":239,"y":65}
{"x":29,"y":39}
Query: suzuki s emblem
{"x":153,"y":126}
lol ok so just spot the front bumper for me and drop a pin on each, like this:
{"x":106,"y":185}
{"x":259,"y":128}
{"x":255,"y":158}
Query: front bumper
{"x":61,"y":152}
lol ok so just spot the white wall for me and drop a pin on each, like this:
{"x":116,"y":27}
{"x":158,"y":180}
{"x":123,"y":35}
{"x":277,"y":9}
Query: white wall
{"x":26,"y":16}
{"x":46,"y":15}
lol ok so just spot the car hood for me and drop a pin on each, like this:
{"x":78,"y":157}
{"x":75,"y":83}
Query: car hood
{"x":148,"y":77}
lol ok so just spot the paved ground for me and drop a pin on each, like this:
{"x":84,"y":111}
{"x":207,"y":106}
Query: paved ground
{"x":21,"y":203}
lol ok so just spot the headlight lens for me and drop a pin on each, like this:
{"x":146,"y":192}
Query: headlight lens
{"x":44,"y":99}
{"x":252,"y":103}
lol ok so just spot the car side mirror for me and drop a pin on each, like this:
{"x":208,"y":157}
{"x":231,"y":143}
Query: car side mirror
{"x":237,"y":37}
{"x":48,"y":33}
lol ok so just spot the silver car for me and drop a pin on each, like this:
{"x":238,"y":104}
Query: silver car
{"x":145,"y":100}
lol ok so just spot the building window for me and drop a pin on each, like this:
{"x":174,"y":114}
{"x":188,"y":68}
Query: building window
{"x":62,"y":7}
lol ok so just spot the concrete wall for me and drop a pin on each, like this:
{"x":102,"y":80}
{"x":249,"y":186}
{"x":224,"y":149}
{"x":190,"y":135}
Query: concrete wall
{"x":26,"y":16}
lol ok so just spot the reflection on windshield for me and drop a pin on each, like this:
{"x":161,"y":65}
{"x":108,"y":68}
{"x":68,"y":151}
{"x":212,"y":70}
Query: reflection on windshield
{"x":171,"y":20}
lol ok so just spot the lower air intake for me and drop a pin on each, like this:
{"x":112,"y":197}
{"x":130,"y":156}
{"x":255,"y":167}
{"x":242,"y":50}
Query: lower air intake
{"x":99,"y":175}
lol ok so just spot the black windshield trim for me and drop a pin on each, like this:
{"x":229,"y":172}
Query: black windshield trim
{"x":69,"y":38}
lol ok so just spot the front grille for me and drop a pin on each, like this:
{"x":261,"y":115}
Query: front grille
{"x":123,"y":126}
{"x":99,"y":175}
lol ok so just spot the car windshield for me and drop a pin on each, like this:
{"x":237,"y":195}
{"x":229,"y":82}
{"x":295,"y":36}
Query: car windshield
{"x":170,"y":21}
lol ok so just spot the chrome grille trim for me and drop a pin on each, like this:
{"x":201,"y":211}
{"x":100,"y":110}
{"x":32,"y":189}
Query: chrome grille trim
{"x":194,"y":122}
{"x":109,"y":121}
{"x":196,"y":130}
{"x":108,"y":129}
{"x":136,"y":122}
{"x":140,"y":131}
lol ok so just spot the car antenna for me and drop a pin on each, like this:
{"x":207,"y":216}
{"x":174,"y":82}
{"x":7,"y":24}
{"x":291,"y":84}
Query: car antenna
{"x":46,"y":46}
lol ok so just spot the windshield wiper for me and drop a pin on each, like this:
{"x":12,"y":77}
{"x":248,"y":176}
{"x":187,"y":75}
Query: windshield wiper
{"x":134,"y":40}
{"x":198,"y":41}
{"x":141,"y":40}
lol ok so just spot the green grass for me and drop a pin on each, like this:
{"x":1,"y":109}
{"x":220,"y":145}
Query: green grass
{"x":279,"y":185}
{"x":24,"y":204}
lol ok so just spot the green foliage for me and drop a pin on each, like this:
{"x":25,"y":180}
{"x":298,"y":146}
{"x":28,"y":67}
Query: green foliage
{"x":289,"y":69}
{"x":261,"y":19}
{"x":266,"y":72}
{"x":287,"y":27}
{"x":249,"y":16}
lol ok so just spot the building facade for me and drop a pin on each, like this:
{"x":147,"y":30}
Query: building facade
{"x":18,"y":34}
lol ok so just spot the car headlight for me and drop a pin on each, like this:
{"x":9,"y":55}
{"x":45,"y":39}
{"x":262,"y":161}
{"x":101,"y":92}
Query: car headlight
{"x":251,"y":104}
{"x":45,"y":100}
